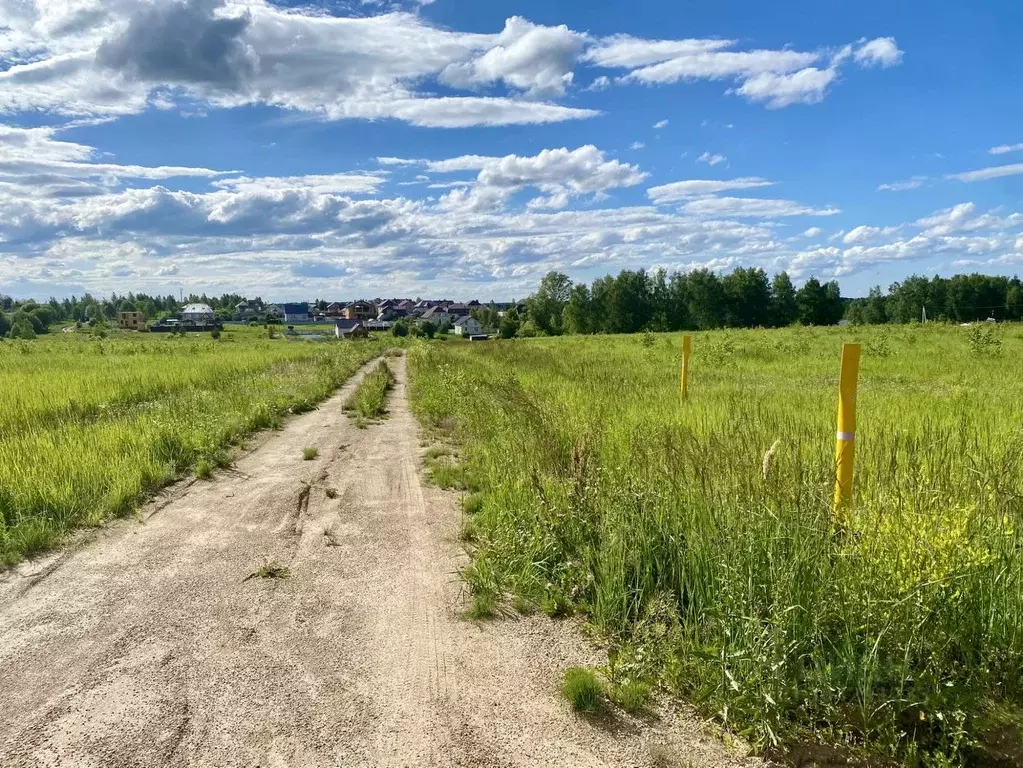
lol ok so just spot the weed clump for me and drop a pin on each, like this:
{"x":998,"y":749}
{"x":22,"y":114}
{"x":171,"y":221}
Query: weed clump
{"x":369,"y":401}
{"x":583,"y":689}
{"x":308,"y":454}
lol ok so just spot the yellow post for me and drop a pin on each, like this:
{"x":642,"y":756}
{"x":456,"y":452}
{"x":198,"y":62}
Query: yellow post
{"x":687,"y":345}
{"x":845,"y":439}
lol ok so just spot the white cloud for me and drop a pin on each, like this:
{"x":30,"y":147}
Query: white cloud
{"x":398,"y":161}
{"x":661,"y":124}
{"x":710,"y":159}
{"x":776,"y":90}
{"x":534,"y":59}
{"x":682,"y":190}
{"x":879,"y":52}
{"x":813,"y":232}
{"x":777,"y":78}
{"x":865,"y":233}
{"x":41,"y":164}
{"x":333,"y":67}
{"x":637,"y":145}
{"x":339,"y":183}
{"x":962,"y":218}
{"x":1004,"y":149}
{"x":985,"y":174}
{"x":752,"y":207}
{"x":599,"y":84}
{"x":913,"y":182}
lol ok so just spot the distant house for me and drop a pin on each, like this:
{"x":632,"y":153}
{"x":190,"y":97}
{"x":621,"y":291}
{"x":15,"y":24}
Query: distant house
{"x":335,"y":309}
{"x":295,"y":313}
{"x":198,"y":314}
{"x":437,"y":316}
{"x":245,"y":311}
{"x":345,"y":328}
{"x":467,"y":326}
{"x":131,"y":321}
{"x":274,"y":310}
{"x":360,"y":310}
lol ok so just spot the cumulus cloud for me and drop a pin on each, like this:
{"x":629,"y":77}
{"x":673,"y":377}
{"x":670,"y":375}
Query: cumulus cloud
{"x":681,"y":190}
{"x":226,"y":54}
{"x":879,"y":52}
{"x":559,"y":173}
{"x":182,"y":42}
{"x":531,"y":58}
{"x":711,"y":159}
{"x":813,"y":232}
{"x":661,"y":124}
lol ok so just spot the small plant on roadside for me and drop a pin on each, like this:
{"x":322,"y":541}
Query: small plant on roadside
{"x":330,"y":493}
{"x":204,"y":469}
{"x":270,"y":570}
{"x":308,"y":454}
{"x":631,"y":696}
{"x":583,"y":689}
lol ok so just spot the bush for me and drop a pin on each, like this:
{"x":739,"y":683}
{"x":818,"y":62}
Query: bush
{"x":215,"y":334}
{"x":582,"y":688}
{"x":5,"y":324}
{"x":22,"y":329}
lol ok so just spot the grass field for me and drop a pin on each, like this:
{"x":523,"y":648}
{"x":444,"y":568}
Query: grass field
{"x":699,"y":539}
{"x":89,"y":427}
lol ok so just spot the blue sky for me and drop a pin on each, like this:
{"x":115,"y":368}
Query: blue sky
{"x":463,"y":149}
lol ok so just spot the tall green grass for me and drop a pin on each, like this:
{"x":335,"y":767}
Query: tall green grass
{"x":89,"y":427}
{"x":699,"y":537}
{"x":369,"y":400}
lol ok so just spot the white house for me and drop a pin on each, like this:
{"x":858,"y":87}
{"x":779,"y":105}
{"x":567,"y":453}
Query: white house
{"x":467,"y":326}
{"x":198,"y":314}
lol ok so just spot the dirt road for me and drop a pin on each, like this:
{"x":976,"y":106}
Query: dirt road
{"x":147,"y":646}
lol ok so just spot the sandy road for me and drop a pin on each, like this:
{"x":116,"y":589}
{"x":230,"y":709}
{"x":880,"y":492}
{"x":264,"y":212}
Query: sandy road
{"x":146,"y":646}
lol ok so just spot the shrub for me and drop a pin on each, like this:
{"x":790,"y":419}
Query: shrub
{"x":308,"y":454}
{"x":22,"y":329}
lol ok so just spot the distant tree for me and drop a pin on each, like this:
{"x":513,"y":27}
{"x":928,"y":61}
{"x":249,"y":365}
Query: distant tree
{"x":400,"y":329}
{"x":5,"y":325}
{"x":812,"y":302}
{"x":509,"y":324}
{"x":747,"y":298}
{"x":784,"y":310}
{"x":873,"y":309}
{"x":428,"y":328}
{"x":577,"y":317}
{"x":705,"y":297}
{"x":547,"y":305}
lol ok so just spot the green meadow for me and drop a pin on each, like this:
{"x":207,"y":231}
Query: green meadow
{"x":699,"y":540}
{"x":89,"y":427}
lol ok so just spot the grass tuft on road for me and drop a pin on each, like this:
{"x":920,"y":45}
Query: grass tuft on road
{"x":369,"y":400}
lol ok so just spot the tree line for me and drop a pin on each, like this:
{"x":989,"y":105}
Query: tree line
{"x":961,"y":299}
{"x":637,"y":300}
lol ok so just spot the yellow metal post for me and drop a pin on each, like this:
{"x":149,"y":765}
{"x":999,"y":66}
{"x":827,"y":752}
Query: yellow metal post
{"x":687,"y":345}
{"x":845,"y":439}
